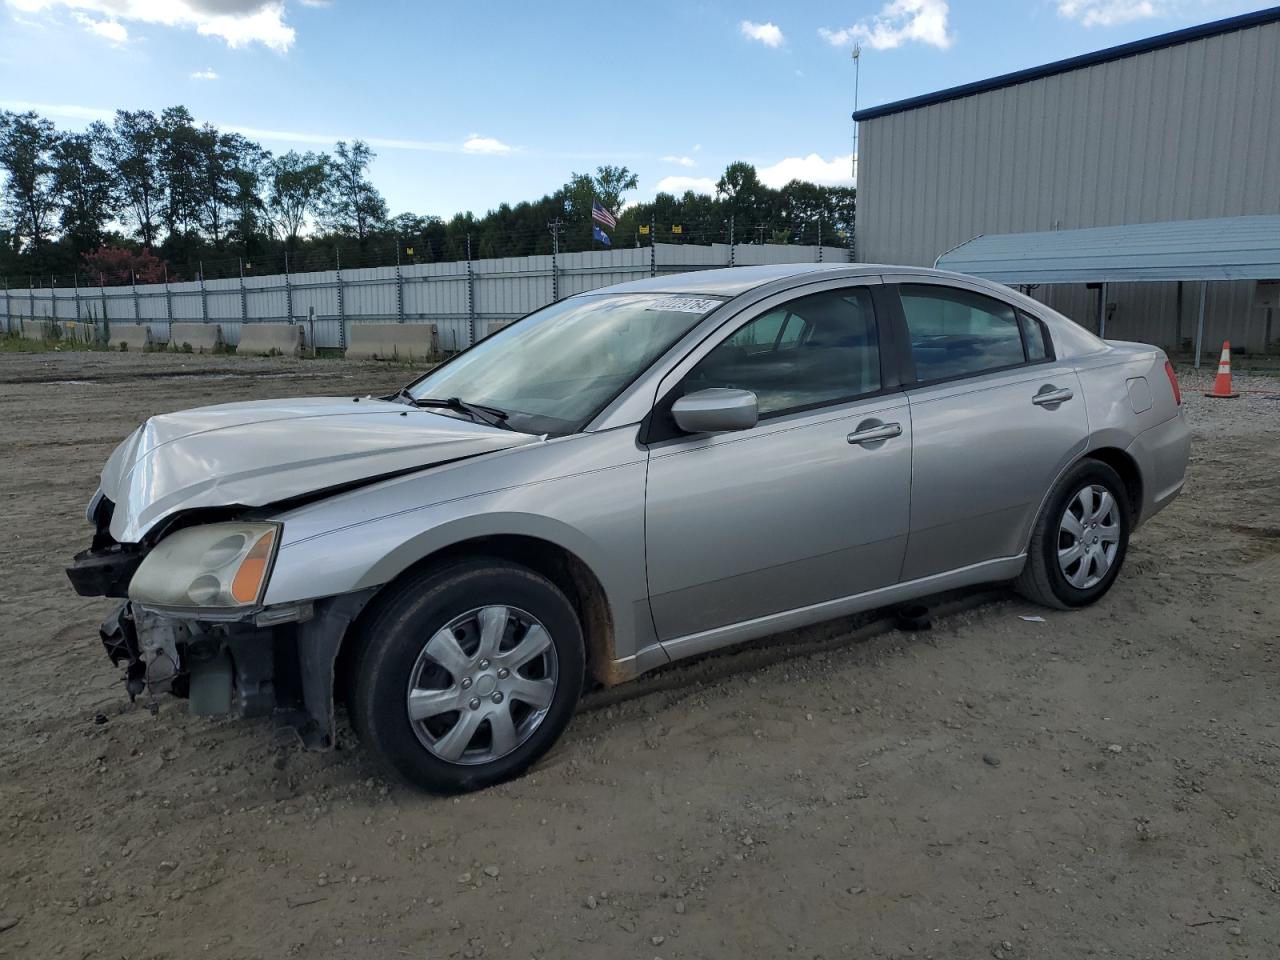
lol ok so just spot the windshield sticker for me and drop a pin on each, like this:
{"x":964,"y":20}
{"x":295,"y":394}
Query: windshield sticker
{"x":684,"y":304}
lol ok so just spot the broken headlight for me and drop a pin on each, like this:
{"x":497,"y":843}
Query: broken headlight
{"x":214,"y":565}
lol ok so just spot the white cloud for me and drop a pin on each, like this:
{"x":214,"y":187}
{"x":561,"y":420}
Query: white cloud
{"x":111,"y":30}
{"x":678,"y":185}
{"x":1105,"y":13}
{"x":478,"y":144}
{"x":682,"y":161}
{"x":238,"y":23}
{"x":898,"y":22}
{"x":767,"y":33}
{"x":329,"y":139}
{"x":836,"y":172}
{"x":206,"y":74}
{"x":67,"y":110}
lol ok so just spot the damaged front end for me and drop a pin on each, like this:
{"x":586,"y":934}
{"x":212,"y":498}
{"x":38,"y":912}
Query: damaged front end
{"x":278,"y":663}
{"x":231,"y":655}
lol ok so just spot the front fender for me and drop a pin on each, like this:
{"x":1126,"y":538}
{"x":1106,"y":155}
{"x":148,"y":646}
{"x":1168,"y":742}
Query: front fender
{"x":597,"y":515}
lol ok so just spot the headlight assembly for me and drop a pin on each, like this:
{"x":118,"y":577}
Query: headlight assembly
{"x":213,"y":565}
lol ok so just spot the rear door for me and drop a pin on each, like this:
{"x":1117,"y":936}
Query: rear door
{"x":797,"y":510}
{"x":995,"y":418}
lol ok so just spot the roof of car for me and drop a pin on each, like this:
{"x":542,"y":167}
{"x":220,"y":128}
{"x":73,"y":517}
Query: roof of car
{"x":731,"y":281}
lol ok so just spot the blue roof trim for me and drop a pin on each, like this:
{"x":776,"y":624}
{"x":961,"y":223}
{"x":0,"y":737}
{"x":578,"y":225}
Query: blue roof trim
{"x":1187,"y":35}
{"x":1227,"y":248}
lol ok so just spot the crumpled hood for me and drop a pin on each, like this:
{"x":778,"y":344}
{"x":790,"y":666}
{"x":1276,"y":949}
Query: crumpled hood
{"x":264,"y":451}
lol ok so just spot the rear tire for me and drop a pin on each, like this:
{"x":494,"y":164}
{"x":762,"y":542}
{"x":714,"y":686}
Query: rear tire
{"x":467,"y":675}
{"x":1080,"y":539}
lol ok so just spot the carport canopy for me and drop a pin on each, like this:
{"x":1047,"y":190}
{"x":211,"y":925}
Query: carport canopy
{"x":1228,"y":248}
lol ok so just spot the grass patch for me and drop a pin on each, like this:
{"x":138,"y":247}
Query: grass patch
{"x":16,"y":344}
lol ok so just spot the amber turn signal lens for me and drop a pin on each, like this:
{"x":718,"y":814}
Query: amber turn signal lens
{"x":253,"y":570}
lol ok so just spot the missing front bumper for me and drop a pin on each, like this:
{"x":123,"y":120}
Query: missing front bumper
{"x":282,"y":670}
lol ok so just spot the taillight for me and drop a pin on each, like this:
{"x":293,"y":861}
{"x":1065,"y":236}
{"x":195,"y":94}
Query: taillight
{"x":1173,"y":382}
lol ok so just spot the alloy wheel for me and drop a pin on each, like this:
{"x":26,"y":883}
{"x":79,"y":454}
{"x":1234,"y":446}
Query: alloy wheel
{"x":482,"y":684}
{"x":1088,"y":536}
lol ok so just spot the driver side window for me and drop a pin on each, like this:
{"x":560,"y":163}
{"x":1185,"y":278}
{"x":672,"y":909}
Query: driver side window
{"x":813,"y":351}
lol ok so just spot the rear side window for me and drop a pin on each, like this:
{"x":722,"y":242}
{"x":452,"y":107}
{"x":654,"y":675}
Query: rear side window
{"x":955,"y":333}
{"x":1036,"y":337}
{"x":812,"y":351}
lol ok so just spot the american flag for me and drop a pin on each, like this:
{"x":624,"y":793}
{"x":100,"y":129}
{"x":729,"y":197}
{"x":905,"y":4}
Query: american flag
{"x":598,"y":212}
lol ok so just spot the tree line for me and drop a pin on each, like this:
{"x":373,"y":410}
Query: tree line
{"x":148,"y":196}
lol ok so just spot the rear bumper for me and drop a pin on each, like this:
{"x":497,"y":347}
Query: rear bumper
{"x":1161,"y":453}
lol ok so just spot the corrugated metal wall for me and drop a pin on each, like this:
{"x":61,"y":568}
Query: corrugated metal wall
{"x":1186,"y":132}
{"x":457,"y":297}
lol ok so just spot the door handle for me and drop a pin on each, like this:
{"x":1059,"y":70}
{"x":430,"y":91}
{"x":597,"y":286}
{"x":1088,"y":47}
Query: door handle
{"x":1048,"y":396}
{"x":885,"y":431}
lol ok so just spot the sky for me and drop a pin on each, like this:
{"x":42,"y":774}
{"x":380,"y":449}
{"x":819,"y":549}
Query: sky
{"x":472,"y":104}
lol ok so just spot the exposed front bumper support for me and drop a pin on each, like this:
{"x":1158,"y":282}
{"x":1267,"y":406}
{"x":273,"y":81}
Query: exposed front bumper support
{"x":283,"y":670}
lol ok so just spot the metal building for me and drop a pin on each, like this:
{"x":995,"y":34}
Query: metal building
{"x":1179,"y":127}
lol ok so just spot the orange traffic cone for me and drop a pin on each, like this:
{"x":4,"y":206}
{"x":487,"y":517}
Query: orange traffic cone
{"x":1222,"y":385}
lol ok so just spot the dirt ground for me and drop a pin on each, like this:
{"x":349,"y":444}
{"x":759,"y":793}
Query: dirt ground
{"x":1103,"y":783}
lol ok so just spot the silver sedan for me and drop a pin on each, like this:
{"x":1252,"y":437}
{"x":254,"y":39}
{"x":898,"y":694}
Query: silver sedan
{"x":622,"y":479}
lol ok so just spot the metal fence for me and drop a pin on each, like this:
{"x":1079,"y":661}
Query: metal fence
{"x":461,"y":298}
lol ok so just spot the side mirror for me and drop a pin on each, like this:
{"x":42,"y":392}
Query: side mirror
{"x":715,"y":410}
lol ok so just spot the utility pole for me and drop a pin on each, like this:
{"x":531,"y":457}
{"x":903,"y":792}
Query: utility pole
{"x":204,"y":295}
{"x":244,"y":303}
{"x":399,"y":285}
{"x":288,"y":298}
{"x":653,"y":247}
{"x":555,"y":226}
{"x":342,"y":303}
{"x":168,"y":297}
{"x":853,"y":220}
{"x":471,"y":298}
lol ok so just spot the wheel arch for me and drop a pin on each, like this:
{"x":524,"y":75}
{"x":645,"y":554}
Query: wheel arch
{"x":1130,"y":473}
{"x":562,"y":566}
{"x":1118,"y":460}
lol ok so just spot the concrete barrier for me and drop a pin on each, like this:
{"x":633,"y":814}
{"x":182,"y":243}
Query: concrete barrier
{"x":407,"y":342}
{"x":36,"y":330}
{"x":135,"y":337}
{"x":200,"y":337}
{"x":271,"y":339}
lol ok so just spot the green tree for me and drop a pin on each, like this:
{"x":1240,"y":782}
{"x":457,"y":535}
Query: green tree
{"x":183,"y":153}
{"x":297,"y":188}
{"x":131,"y":148}
{"x":231,"y":174}
{"x":84,"y":188}
{"x":353,"y":206}
{"x":27,"y":142}
{"x":611,"y":183}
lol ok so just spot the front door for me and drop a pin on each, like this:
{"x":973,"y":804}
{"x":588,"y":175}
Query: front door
{"x":995,"y":420}
{"x":809,"y":505}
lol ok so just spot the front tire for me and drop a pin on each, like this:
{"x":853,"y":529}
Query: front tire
{"x":1080,"y":539}
{"x":467,"y":675}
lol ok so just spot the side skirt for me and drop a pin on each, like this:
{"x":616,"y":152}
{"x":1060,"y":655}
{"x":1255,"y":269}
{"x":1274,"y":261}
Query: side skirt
{"x":1004,"y":568}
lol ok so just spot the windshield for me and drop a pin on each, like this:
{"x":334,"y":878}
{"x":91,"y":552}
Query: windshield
{"x":556,"y":369}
